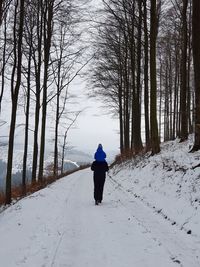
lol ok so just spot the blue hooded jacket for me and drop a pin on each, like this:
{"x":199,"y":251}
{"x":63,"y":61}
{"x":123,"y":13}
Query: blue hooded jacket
{"x":100,"y":155}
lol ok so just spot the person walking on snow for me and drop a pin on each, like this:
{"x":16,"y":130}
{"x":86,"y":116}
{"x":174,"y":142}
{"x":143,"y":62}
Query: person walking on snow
{"x":99,"y":167}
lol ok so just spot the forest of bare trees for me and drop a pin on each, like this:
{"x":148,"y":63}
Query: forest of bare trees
{"x":144,"y":70}
{"x":40,"y":50}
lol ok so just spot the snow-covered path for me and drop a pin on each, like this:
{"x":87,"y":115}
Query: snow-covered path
{"x":60,"y":226}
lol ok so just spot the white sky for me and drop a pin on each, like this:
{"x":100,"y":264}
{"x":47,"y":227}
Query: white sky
{"x":94,"y":125}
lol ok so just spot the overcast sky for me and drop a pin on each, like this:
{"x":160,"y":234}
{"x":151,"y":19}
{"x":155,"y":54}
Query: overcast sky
{"x":94,"y":125}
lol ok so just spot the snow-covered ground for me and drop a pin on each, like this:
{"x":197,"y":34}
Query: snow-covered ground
{"x":168,"y":183}
{"x":143,"y":221}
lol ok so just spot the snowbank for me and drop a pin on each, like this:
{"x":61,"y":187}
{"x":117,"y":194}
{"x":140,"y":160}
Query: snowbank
{"x":168,"y":182}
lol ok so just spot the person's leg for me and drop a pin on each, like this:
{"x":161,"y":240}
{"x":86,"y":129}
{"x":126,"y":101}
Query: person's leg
{"x":96,"y":189}
{"x":101,"y":186}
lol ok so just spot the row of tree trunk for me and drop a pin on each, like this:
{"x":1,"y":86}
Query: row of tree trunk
{"x":39,"y":53}
{"x":144,"y":71}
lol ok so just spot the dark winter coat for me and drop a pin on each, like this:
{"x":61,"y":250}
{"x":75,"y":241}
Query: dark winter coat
{"x":100,"y":168}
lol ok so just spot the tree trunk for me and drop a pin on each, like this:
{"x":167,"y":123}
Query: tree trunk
{"x":189,"y":61}
{"x":121,"y":120}
{"x":126,"y":101}
{"x":15,"y":94}
{"x":196,"y":59}
{"x":63,"y":152}
{"x":27,"y":122}
{"x":155,"y":144}
{"x":166,"y":106}
{"x":175,"y":108}
{"x":138,"y":140}
{"x":56,"y":134}
{"x":146,"y":78}
{"x":160,"y":100}
{"x":1,"y":10}
{"x":183,"y":92}
{"x":3,"y":62}
{"x":37,"y":63}
{"x":48,"y":17}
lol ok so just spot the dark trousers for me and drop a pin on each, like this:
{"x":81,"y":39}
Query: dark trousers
{"x":98,"y":187}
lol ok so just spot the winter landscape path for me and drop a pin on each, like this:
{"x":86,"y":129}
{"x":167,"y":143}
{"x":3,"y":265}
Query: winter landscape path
{"x":60,"y":226}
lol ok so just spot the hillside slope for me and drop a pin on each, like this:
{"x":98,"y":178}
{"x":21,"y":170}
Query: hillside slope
{"x":168,"y":182}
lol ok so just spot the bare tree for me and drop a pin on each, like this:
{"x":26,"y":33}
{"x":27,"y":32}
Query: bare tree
{"x":146,"y":76}
{"x":196,"y":59}
{"x":48,"y":13}
{"x":65,"y":139}
{"x":63,"y":64}
{"x":15,"y":86}
{"x":153,"y":92}
{"x":138,"y":146}
{"x":29,"y":26}
{"x":37,"y":59}
{"x":183,"y":92}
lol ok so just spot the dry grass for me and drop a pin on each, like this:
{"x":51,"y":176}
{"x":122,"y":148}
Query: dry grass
{"x":128,"y":154}
{"x":18,"y":193}
{"x":2,"y":198}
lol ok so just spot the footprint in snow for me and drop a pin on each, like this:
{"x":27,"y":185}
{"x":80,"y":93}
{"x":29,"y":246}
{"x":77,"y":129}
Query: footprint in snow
{"x":175,"y":260}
